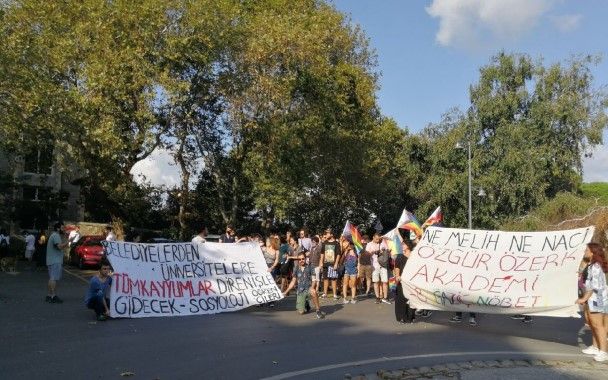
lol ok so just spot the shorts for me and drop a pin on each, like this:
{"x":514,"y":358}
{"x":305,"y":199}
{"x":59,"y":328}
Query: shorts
{"x":366,"y":271}
{"x":350,"y":271}
{"x":301,"y":299}
{"x":317,"y":274}
{"x":29,"y":253}
{"x":380,"y":275}
{"x":329,"y":272}
{"x":55,"y":271}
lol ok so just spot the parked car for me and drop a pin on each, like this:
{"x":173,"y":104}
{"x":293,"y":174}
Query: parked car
{"x":87,"y":251}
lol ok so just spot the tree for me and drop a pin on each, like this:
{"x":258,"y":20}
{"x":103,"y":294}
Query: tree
{"x":528,"y":126}
{"x":87,"y":74}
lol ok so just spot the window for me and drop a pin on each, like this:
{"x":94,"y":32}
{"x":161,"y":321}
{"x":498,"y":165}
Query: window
{"x":35,"y":193}
{"x":39,"y":160}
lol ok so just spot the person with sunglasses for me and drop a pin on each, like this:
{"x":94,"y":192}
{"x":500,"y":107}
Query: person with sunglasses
{"x":305,"y":292}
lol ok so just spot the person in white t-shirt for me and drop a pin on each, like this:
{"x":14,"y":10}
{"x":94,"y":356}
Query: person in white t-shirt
{"x":74,"y":236}
{"x":30,"y":247}
{"x":110,"y":235}
{"x":202,"y":234}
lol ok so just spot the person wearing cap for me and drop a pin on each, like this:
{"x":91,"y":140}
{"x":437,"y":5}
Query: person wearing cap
{"x":54,"y":262}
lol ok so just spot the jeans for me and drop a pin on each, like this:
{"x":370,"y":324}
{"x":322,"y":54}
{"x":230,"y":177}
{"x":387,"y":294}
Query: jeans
{"x":96,"y":304}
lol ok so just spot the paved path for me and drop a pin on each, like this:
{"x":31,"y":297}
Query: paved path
{"x":41,"y":340}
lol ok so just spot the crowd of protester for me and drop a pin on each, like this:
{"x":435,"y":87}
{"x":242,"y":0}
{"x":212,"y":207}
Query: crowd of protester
{"x":328,"y":266}
{"x":312,"y":265}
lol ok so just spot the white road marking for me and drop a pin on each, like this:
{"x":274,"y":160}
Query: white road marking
{"x":329,"y":367}
{"x":76,"y":275}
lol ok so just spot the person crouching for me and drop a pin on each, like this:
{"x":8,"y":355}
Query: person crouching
{"x":302,"y":277}
{"x":97,"y":294}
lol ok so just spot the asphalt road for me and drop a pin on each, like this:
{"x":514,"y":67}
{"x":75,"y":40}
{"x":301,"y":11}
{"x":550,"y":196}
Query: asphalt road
{"x":63,"y":341}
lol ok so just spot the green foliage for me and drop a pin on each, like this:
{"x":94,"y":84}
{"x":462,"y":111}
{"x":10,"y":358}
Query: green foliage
{"x":597,"y":190}
{"x":276,"y":98}
{"x":565,"y":210}
{"x":528,"y":127}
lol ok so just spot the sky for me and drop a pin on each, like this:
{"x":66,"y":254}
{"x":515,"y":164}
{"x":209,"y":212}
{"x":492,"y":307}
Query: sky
{"x":429,"y":53}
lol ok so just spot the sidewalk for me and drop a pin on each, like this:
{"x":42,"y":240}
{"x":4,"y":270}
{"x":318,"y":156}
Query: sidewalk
{"x":493,"y":369}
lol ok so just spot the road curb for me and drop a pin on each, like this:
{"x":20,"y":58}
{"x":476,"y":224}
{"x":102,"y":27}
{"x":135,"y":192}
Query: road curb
{"x":453,"y":370}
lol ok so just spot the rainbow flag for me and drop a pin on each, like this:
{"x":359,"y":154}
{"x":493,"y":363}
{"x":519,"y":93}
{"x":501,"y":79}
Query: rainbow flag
{"x":436,"y":217}
{"x":408,"y":221}
{"x":392,"y":284}
{"x":351,"y":233}
{"x":394,"y":242}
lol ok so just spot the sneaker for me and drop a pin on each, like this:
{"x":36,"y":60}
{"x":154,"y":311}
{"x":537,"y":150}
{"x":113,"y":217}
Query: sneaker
{"x":377,"y":301}
{"x":426,"y":313}
{"x":472,"y":321}
{"x":323,"y":295}
{"x":345,"y":301}
{"x":336,"y":297}
{"x":56,"y":299}
{"x":101,"y":317}
{"x":386,"y":301}
{"x":48,"y":299}
{"x":601,"y":356}
{"x":271,"y":304}
{"x":591,"y":350}
{"x":456,"y":319}
{"x":353,"y":301}
{"x":319,"y":314}
{"x":517,"y":316}
{"x":418,"y":312}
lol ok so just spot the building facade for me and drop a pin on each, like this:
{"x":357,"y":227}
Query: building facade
{"x":35,"y":192}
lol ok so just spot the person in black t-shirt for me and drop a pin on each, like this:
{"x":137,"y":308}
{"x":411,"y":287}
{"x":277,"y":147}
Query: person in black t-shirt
{"x":229,"y":236}
{"x":330,"y":249}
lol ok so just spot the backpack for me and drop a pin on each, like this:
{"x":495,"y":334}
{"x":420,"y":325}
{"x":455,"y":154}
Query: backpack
{"x":383,"y":258}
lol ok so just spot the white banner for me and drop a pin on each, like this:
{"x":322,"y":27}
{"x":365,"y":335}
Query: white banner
{"x":496,"y":272}
{"x":179,"y":279}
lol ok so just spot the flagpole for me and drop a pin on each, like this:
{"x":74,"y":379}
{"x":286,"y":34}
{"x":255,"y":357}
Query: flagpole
{"x":470,"y":196}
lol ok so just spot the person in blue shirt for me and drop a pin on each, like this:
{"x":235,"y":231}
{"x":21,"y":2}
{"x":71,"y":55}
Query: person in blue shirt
{"x":98,"y":292}
{"x":305,"y":292}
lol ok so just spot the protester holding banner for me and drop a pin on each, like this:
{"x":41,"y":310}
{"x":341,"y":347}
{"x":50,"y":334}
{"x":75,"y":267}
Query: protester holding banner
{"x":229,"y":236}
{"x":595,"y":297}
{"x":303,"y":275}
{"x":403,"y":312}
{"x":97,"y":297}
{"x":201,"y":236}
{"x":271,"y":253}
